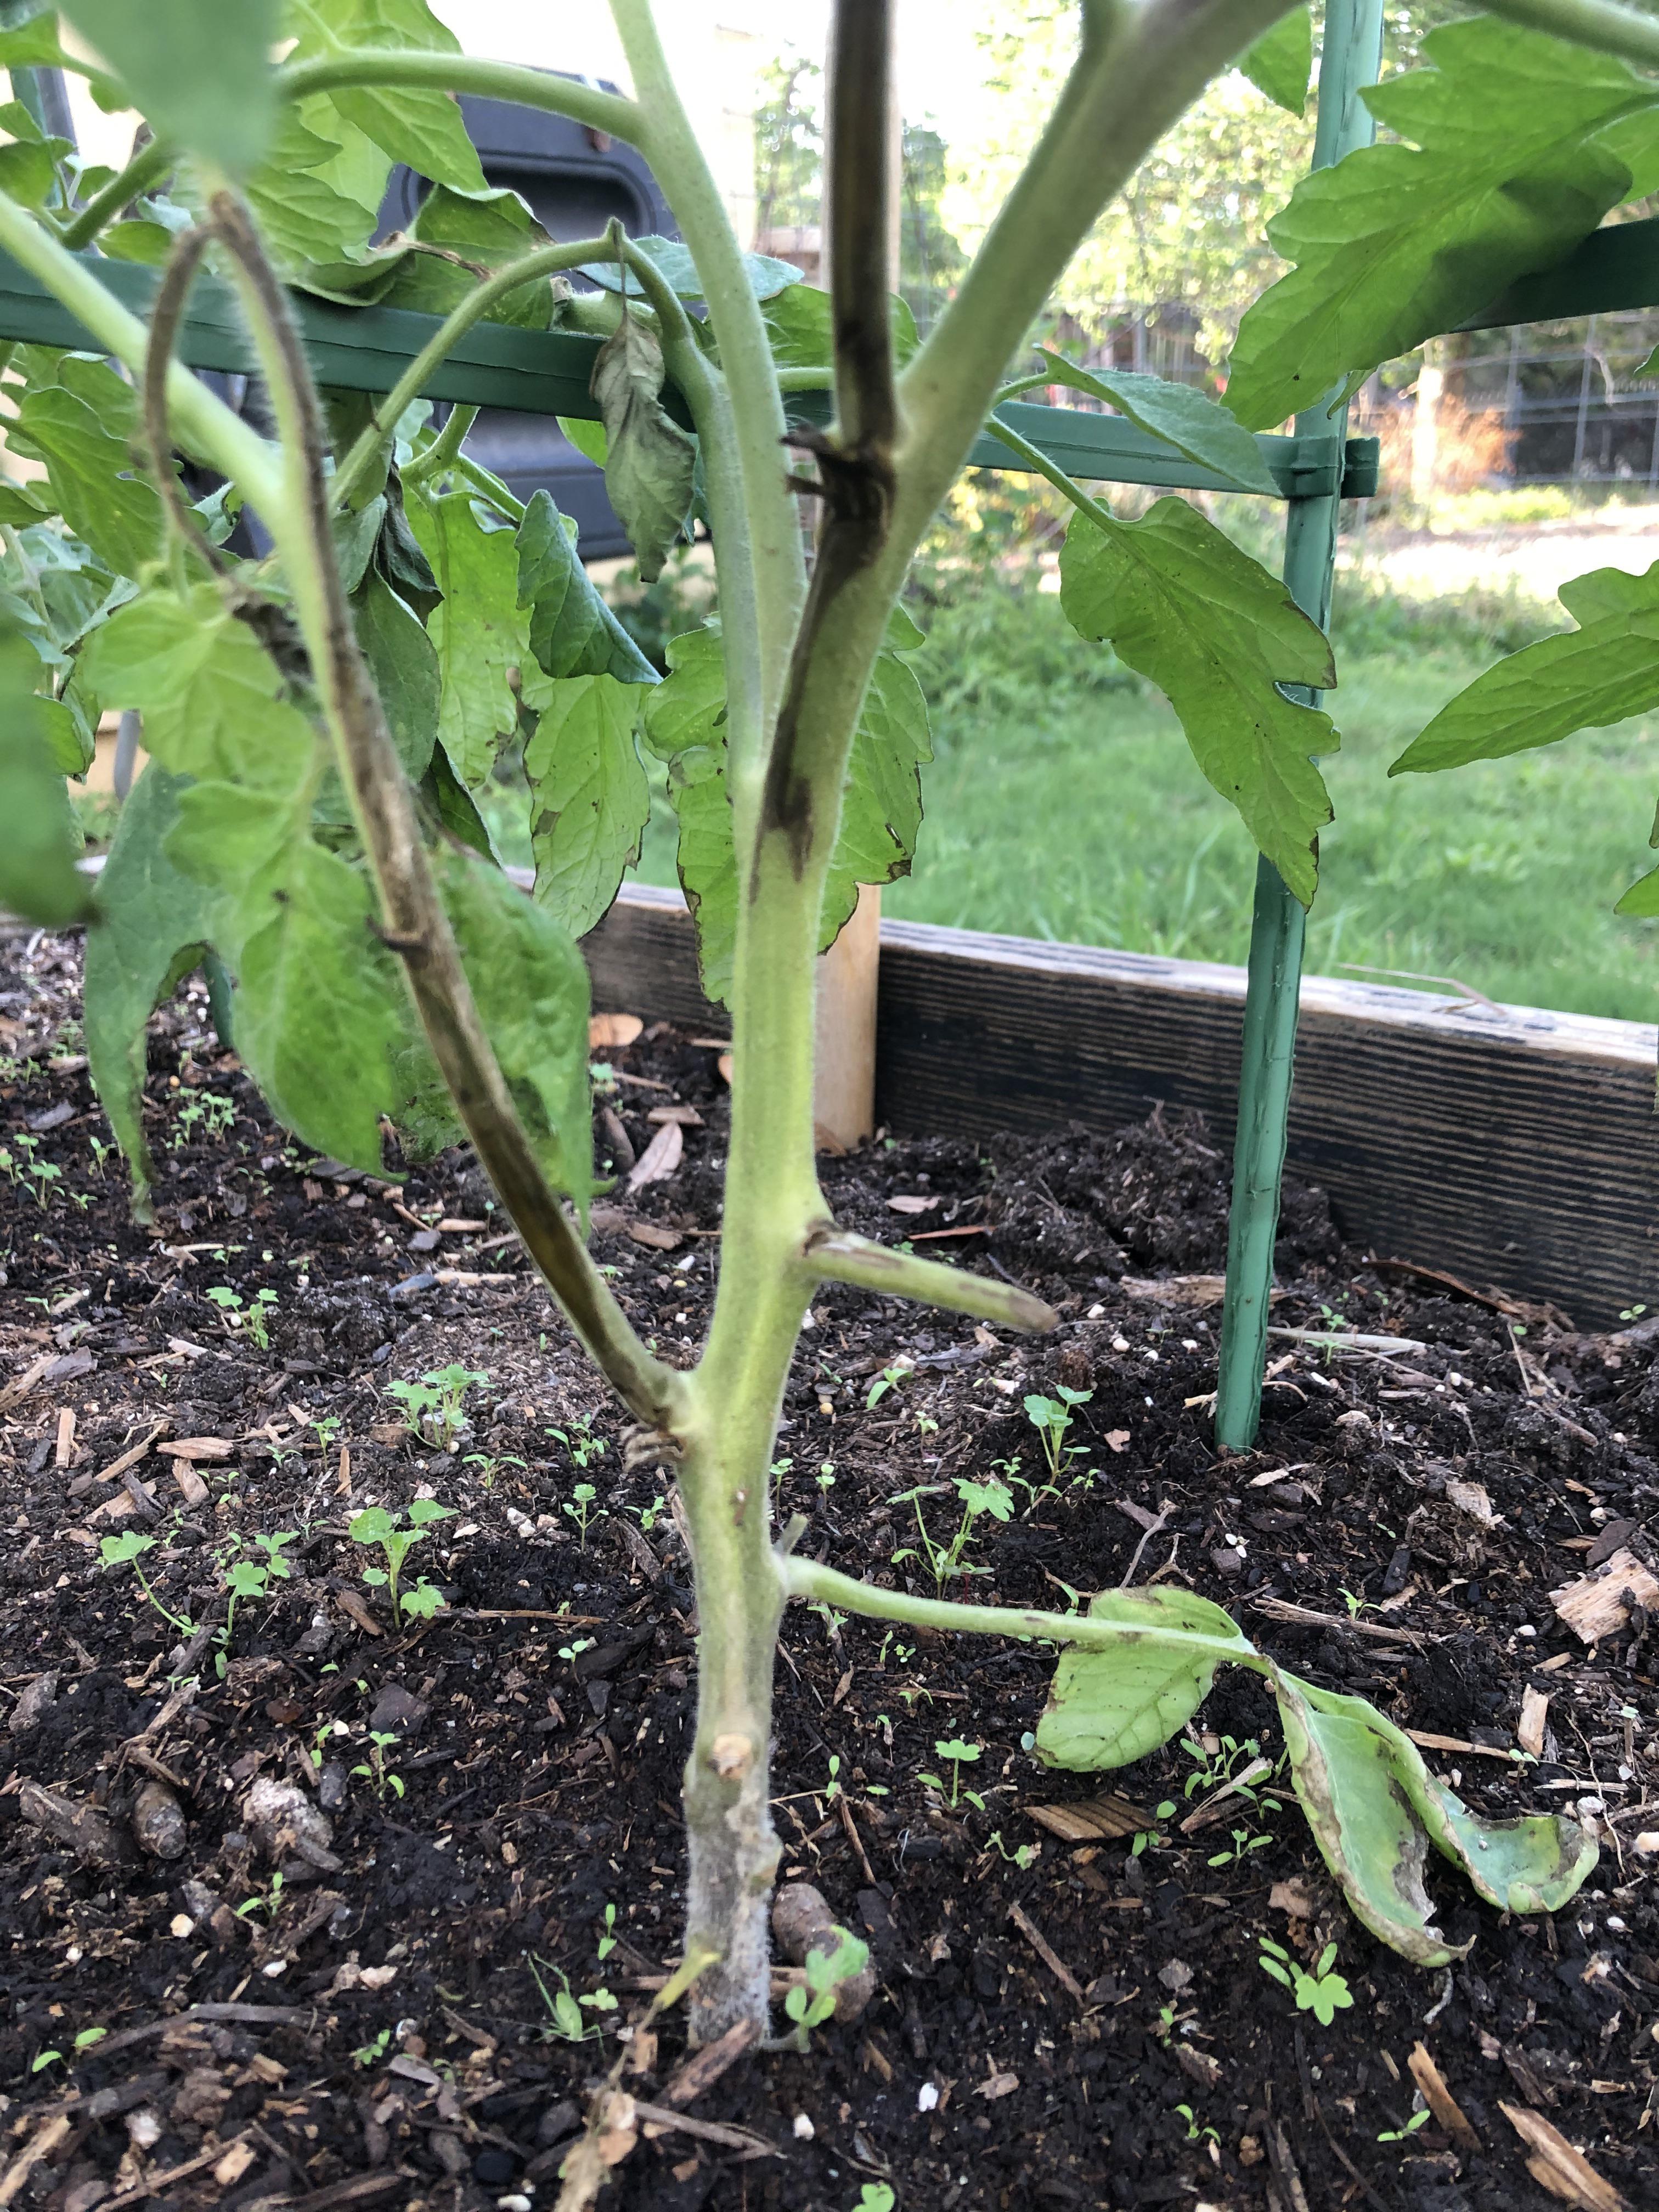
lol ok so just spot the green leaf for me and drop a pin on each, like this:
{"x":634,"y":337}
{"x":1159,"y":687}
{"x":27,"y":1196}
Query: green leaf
{"x":486,"y":230}
{"x":1641,"y":899}
{"x":155,"y":921}
{"x":317,"y":1004}
{"x":39,"y":879}
{"x":478,"y":631}
{"x":423,"y":129}
{"x":766,"y":277}
{"x":1520,"y":145}
{"x":881,"y":806}
{"x":29,"y":165}
{"x":1110,"y":1708}
{"x":1183,"y":605}
{"x":531,"y":984}
{"x":403,"y":662}
{"x":79,"y":428}
{"x":800,"y":325}
{"x":205,"y":686}
{"x":650,"y":461}
{"x":1280,"y":63}
{"x":199,"y":72}
{"x":1184,"y":417}
{"x":1584,"y":678}
{"x":588,"y":437}
{"x":589,"y":800}
{"x":572,"y":631}
{"x":684,"y":726}
{"x":455,"y":806}
{"x":1374,"y":1808}
{"x":317,"y":195}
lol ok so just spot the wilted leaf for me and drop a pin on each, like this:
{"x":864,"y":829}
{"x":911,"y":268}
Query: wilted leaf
{"x":589,"y":800}
{"x":485,"y":231}
{"x":572,"y":631}
{"x":1374,"y":1808}
{"x":1185,"y":606}
{"x":1184,"y":417}
{"x":39,"y":879}
{"x":200,"y":71}
{"x":1110,"y":1708}
{"x":1520,"y":144}
{"x":1280,"y":63}
{"x":650,"y":462}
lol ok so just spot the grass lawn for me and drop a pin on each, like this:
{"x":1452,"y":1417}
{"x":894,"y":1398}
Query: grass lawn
{"x":1063,"y":803}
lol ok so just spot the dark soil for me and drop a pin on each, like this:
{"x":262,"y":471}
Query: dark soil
{"x":378,"y":2028}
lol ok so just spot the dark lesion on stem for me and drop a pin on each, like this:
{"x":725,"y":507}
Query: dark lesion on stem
{"x":413,"y":919}
{"x":856,"y":478}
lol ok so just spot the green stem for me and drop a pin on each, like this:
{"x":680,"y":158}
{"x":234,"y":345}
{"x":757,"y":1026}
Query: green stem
{"x":837,"y":1256}
{"x":544,"y":261}
{"x":186,"y":1627}
{"x":444,"y":72}
{"x":807,"y":1578}
{"x":203,"y":423}
{"x":1609,"y":29}
{"x":1351,"y":58}
{"x":437,"y":458}
{"x":1039,"y":463}
{"x":491,"y":487}
{"x":150,"y":163}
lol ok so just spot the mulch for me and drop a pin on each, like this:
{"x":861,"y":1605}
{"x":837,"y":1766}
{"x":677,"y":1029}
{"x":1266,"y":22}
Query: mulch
{"x":1059,"y":2020}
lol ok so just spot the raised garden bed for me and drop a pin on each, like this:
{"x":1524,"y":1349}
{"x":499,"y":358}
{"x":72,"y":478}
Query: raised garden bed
{"x":1064,"y":2033}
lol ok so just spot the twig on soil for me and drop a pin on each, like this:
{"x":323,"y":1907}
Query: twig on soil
{"x":42,"y":2145}
{"x":741,"y":2139}
{"x":1279,"y":1608}
{"x":1051,"y":1959}
{"x":705,"y":2067}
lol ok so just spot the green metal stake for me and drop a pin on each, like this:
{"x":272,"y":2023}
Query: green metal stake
{"x":1351,"y":60}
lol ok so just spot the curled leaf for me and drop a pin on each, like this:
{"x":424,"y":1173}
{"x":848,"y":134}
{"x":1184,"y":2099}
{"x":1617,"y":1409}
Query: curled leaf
{"x":650,"y":460}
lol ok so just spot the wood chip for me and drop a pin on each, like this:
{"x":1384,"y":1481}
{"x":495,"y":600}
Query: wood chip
{"x":1440,"y":2101}
{"x":660,"y":1159}
{"x":118,"y":1467}
{"x":1555,"y":2165}
{"x":1471,"y":1498}
{"x":705,"y":2067}
{"x":687,"y":1116}
{"x":14,"y":1392}
{"x":655,"y":1236}
{"x":448,"y":1227}
{"x":1594,"y":1605}
{"x":355,"y":1609}
{"x":197,"y":1448}
{"x":64,"y":1449}
{"x":906,"y":1202}
{"x":1091,"y":1819}
{"x":1177,"y":1290}
{"x":607,"y":1032}
{"x":1430,"y":1741}
{"x":1534,"y":1711}
{"x":191,"y":1485}
{"x":997,"y":2085}
{"x":41,"y":2145}
{"x":1056,"y":1966}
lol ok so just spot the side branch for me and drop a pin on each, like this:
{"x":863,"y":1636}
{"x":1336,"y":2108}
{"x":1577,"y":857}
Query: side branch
{"x":166,"y":315}
{"x":412,"y":912}
{"x":836,"y":1256}
{"x":858,"y":193}
{"x":807,"y":1578}
{"x":1599,"y":23}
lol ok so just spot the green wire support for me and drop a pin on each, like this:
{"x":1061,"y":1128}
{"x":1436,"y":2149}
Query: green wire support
{"x":1351,"y":60}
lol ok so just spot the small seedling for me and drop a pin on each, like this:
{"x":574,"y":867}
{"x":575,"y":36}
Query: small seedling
{"x":876,"y":2196}
{"x":254,"y":1317}
{"x":126,"y":1550}
{"x":650,"y":1515}
{"x":1051,"y":1418}
{"x":1194,"y":2132}
{"x":26,"y":1165}
{"x":576,"y":1647}
{"x":434,"y":1402}
{"x":1024,"y":1856}
{"x":887,"y":1378}
{"x":960,"y":1754}
{"x":370,"y":2054}
{"x":210,"y":1111}
{"x":1244,"y":1844}
{"x":1322,"y":1993}
{"x":826,"y":1477}
{"x":564,"y":2008}
{"x":1153,"y":1839}
{"x":489,"y":1466}
{"x":579,"y":1506}
{"x":84,"y":2041}
{"x":374,"y":1769}
{"x":808,"y":2004}
{"x":374,"y":1525}
{"x":832,"y":1788}
{"x":607,"y":1942}
{"x":269,"y":1903}
{"x":583,"y":1446}
{"x":947,"y":1562}
{"x":1419,"y":2120}
{"x":102,"y":1154}
{"x":1217,"y":1768}
{"x":1356,"y":1604}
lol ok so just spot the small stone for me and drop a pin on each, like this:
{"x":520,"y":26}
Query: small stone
{"x":804,"y":2130}
{"x":493,"y":2168}
{"x":182,"y":1926}
{"x":33,"y":1705}
{"x":158,"y":1822}
{"x":927,"y":2097}
{"x":397,"y":1711}
{"x":282,"y":1819}
{"x":557,"y":2122}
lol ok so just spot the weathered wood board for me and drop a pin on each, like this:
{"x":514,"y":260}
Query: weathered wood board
{"x":1508,"y":1146}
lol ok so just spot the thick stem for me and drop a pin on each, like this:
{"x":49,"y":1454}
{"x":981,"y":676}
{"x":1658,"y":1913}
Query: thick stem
{"x":423,"y":71}
{"x":1608,"y":28}
{"x":413,"y":912}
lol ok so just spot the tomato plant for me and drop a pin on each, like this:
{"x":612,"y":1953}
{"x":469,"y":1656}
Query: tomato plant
{"x":321,"y":714}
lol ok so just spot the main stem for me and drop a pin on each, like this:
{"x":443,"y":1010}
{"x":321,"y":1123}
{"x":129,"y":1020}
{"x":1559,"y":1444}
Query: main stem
{"x":1351,"y":60}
